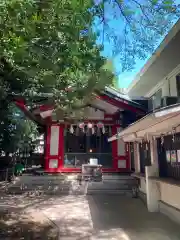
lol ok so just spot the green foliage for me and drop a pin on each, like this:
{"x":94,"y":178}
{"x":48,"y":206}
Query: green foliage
{"x":141,"y":25}
{"x":51,"y":45}
{"x":109,"y":67}
{"x":46,"y":47}
{"x":15,"y":130}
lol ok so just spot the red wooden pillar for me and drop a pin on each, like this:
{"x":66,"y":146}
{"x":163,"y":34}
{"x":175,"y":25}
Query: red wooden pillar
{"x":120,"y":153}
{"x":114,"y":149}
{"x":54,"y":155}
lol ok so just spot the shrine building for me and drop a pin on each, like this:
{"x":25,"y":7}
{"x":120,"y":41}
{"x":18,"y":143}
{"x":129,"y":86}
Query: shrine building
{"x":68,"y":146}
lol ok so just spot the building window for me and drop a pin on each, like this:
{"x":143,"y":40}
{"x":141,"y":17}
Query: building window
{"x":156,"y":99}
{"x":79,"y":147}
{"x":169,"y":157}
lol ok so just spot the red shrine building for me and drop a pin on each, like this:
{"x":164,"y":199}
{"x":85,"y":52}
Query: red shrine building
{"x":68,"y":146}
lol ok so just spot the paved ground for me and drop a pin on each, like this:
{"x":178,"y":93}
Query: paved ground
{"x":124,"y":218}
{"x":76,"y":217}
{"x":107,"y":217}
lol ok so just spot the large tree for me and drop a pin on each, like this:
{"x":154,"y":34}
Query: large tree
{"x":50,"y":48}
{"x":133,"y":28}
{"x":49,"y":45}
{"x":46,"y":47}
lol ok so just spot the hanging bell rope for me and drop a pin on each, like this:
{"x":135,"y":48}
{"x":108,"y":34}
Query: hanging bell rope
{"x":110,"y":131}
{"x":93,"y":130}
{"x":77,"y":131}
{"x":162,"y":139}
{"x":173,"y":133}
{"x":71,"y":129}
{"x":82,"y":126}
{"x":103,"y":130}
{"x":90,"y":128}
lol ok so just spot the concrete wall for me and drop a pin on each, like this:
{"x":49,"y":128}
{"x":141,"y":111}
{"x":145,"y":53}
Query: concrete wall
{"x":168,"y":84}
{"x":170,"y":194}
{"x":169,"y":202}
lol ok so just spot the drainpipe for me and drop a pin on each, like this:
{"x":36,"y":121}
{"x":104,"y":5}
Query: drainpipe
{"x":169,"y":86}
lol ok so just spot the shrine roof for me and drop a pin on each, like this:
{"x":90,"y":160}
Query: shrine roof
{"x":109,"y":101}
{"x":112,"y":92}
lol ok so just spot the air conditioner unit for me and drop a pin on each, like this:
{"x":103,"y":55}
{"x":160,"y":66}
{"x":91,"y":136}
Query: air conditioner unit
{"x":167,"y":101}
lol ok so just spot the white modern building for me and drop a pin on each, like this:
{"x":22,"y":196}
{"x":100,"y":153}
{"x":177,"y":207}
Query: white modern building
{"x":154,"y":140}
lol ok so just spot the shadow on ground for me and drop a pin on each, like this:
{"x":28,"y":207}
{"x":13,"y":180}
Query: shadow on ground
{"x":21,"y":219}
{"x":124,"y":218}
{"x":82,"y":217}
{"x":21,"y":226}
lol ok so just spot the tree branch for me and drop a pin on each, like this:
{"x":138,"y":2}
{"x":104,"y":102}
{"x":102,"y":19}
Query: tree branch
{"x":122,"y":12}
{"x":146,"y":16}
{"x":103,"y":22}
{"x":125,"y":42}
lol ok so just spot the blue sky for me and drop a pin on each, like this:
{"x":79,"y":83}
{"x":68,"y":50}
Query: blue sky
{"x":125,"y":78}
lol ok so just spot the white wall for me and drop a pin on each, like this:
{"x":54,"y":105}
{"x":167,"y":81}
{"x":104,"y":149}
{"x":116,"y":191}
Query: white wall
{"x":168,"y":84}
{"x":170,"y":194}
{"x":54,"y":140}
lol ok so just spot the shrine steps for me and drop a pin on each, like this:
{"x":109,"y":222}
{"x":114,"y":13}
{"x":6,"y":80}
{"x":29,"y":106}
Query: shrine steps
{"x":112,"y":184}
{"x":49,"y":185}
{"x":68,"y":184}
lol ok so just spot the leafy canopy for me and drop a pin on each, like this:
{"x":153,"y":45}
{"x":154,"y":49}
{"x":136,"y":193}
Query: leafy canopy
{"x":51,"y":46}
{"x":46,"y":47}
{"x":133,"y":28}
{"x":16,"y":131}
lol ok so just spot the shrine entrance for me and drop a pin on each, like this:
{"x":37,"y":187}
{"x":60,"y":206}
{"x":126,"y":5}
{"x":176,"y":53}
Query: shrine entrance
{"x":82,"y":145}
{"x":71,"y":142}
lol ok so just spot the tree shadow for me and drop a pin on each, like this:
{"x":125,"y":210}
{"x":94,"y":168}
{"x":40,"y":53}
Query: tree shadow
{"x":22,"y":226}
{"x":71,"y":214}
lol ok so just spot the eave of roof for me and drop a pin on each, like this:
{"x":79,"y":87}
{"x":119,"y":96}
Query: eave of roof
{"x":123,"y":97}
{"x":168,"y":38}
{"x":132,"y":127}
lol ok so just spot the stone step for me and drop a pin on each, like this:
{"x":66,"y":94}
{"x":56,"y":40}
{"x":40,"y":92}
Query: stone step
{"x":40,"y":186}
{"x":117,"y":177}
{"x":44,"y":191}
{"x":33,"y":189}
{"x":67,"y":188}
{"x":109,"y":192}
{"x":109,"y":186}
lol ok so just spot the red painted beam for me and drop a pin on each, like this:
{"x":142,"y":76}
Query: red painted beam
{"x":21,"y":105}
{"x":119,"y":103}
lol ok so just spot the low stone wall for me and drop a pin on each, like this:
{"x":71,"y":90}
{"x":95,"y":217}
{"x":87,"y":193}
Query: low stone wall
{"x":172,"y":212}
